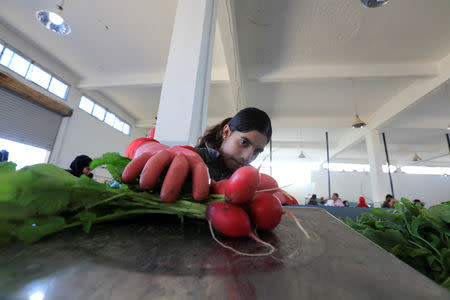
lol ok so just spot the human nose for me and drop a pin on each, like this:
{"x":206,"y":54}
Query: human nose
{"x":247,"y":155}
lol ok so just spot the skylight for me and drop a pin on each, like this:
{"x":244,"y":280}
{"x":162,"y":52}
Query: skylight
{"x":103,"y":115}
{"x":26,"y":68}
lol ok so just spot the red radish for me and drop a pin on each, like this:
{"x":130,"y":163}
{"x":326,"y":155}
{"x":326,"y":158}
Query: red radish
{"x":233,"y":221}
{"x":266,"y":211}
{"x":285,"y":198}
{"x":229,"y":219}
{"x":219,"y":187}
{"x":242,"y":185}
{"x":266,"y":182}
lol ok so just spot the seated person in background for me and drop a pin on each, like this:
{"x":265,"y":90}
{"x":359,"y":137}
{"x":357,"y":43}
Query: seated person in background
{"x":417,"y":202}
{"x":362,"y":202}
{"x":346,"y":204}
{"x":322,"y":201}
{"x":80,"y":166}
{"x":335,"y":201}
{"x":313,"y":200}
{"x":389,"y":202}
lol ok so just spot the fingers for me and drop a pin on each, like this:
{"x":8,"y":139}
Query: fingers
{"x":134,"y":168}
{"x":154,"y":168}
{"x":175,"y":177}
{"x":200,"y":180}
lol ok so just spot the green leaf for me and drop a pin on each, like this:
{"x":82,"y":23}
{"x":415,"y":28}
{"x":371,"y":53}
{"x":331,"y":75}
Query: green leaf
{"x":37,"y":228}
{"x":7,"y":167}
{"x":115,"y":164}
{"x":405,"y":250}
{"x":86,"y":219}
{"x":441,"y":211}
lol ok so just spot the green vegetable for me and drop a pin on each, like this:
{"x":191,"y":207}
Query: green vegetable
{"x":418,"y":236}
{"x":42,"y":199}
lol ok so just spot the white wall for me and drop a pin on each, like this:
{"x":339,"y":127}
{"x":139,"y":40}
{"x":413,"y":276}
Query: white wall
{"x":432,"y":189}
{"x":81,"y":133}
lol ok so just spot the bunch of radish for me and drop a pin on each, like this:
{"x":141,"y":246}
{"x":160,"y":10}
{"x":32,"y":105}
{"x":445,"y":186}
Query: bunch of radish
{"x":253,"y":201}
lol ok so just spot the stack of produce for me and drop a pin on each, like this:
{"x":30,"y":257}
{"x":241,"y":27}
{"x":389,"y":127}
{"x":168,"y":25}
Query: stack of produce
{"x":418,"y":236}
{"x":42,"y":199}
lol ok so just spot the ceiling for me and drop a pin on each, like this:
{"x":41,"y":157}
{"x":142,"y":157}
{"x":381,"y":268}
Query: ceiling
{"x":306,"y":63}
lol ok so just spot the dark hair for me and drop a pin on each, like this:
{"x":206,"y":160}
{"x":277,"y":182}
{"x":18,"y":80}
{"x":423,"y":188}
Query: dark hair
{"x":388,"y":196}
{"x":314,"y":196}
{"x":245,"y":120}
{"x":78,"y":164}
{"x":337,"y":195}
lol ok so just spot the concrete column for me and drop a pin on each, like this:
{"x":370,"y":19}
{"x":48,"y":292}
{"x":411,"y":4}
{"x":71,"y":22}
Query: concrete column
{"x":378,"y":179}
{"x":183,"y":105}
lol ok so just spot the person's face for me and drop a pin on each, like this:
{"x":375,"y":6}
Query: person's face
{"x":241,"y":148}
{"x":346,"y":204}
{"x":87,"y":171}
{"x":334,"y":197}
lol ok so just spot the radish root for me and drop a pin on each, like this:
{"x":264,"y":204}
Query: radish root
{"x":272,"y":248}
{"x":297,"y":222}
{"x":275,"y":189}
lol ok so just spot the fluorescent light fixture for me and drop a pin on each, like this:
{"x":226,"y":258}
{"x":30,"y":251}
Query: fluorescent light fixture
{"x":374,"y":3}
{"x":54,"y":20}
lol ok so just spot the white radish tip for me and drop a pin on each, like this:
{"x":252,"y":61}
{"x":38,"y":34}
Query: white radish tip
{"x":272,"y":248}
{"x":297,"y":222}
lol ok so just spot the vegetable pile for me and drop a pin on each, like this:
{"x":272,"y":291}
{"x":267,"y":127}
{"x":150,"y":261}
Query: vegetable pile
{"x":251,"y":198}
{"x":418,"y":236}
{"x":42,"y":199}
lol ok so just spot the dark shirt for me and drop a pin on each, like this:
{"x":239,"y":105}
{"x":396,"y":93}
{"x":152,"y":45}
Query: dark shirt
{"x":214,"y":162}
{"x":312,"y":202}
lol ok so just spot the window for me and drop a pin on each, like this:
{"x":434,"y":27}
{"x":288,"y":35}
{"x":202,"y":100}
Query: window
{"x":126,"y":128}
{"x":99,"y":112}
{"x":19,"y":64}
{"x":118,"y":124}
{"x":22,"y":154}
{"x":58,"y":88}
{"x":39,"y":76}
{"x":425,"y":170}
{"x":86,"y":104}
{"x":103,"y":115}
{"x":110,"y":118}
{"x":25,"y":68}
{"x":6,"y":57}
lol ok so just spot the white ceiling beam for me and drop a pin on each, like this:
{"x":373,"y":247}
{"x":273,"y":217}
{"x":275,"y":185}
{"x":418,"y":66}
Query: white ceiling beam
{"x":226,"y":20}
{"x":218,"y":76}
{"x":399,"y":103}
{"x":292,"y":74}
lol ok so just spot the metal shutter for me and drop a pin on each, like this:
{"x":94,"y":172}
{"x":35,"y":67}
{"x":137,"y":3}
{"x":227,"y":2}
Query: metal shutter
{"x":25,"y":122}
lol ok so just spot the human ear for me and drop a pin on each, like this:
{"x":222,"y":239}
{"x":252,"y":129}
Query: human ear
{"x":226,"y":131}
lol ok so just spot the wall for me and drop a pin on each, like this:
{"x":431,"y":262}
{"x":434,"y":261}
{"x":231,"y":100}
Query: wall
{"x":432,"y":189}
{"x":81,"y":133}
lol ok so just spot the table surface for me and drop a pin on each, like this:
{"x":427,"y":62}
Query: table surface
{"x":157,"y":257}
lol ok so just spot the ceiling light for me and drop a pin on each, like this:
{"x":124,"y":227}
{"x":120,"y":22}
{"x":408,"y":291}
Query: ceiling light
{"x":374,"y":3}
{"x":358,"y":123}
{"x":302,"y":155}
{"x":416,"y":157}
{"x":54,"y":20}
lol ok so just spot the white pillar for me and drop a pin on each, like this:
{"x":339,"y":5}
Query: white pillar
{"x":378,"y":179}
{"x":183,"y":105}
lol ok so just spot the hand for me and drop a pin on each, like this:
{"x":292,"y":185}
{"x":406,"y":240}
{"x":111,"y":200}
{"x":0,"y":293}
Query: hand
{"x":152,"y":158}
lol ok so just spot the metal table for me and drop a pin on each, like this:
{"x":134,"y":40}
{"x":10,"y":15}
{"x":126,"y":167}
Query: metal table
{"x":160,"y":258}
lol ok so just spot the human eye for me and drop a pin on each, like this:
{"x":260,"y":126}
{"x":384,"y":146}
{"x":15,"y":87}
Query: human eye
{"x":244,"y":142}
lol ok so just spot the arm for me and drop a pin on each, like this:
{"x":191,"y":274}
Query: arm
{"x":150,"y":159}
